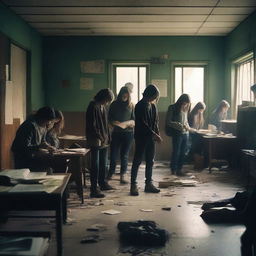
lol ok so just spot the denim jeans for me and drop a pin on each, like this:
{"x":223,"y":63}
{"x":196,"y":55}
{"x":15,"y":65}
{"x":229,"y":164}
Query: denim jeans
{"x":143,"y":146}
{"x":121,"y":142}
{"x":98,"y":166}
{"x":179,"y":149}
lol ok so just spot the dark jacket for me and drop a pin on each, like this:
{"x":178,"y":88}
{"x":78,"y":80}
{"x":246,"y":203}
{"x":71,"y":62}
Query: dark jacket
{"x":97,"y":130}
{"x":119,"y":111}
{"x":29,"y":137}
{"x":173,"y":122}
{"x":146,"y":120}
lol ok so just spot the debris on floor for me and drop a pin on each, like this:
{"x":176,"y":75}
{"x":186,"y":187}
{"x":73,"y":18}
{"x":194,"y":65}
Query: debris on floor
{"x":90,"y":239}
{"x":166,"y":208}
{"x":146,"y":210}
{"x":144,"y":233}
{"x":97,"y":227}
{"x":110,"y":212}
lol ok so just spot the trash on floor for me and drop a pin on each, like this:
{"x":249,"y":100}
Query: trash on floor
{"x":111,"y":212}
{"x":97,"y":227}
{"x":142,"y":233}
{"x":90,"y":239}
{"x":166,"y":208}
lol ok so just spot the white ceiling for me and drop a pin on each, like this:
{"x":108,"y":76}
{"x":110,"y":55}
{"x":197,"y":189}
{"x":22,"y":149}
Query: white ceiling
{"x":133,"y":17}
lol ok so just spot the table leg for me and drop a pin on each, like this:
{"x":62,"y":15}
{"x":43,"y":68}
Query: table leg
{"x":59,"y":222}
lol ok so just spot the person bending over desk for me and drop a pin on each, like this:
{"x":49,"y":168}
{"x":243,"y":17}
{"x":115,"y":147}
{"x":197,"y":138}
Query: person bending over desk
{"x":196,"y":121}
{"x":29,"y":144}
{"x":219,"y":114}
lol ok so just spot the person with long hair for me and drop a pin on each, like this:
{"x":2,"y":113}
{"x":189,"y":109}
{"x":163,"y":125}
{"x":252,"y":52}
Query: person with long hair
{"x":29,"y":147}
{"x":121,"y":117}
{"x":146,"y":133}
{"x":196,"y":121}
{"x":219,"y":114}
{"x":52,"y":136}
{"x":177,"y":124}
{"x":98,"y":140}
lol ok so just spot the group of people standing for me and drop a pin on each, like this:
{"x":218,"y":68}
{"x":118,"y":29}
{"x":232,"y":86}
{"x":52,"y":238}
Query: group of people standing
{"x":141,"y":123}
{"x":115,"y":124}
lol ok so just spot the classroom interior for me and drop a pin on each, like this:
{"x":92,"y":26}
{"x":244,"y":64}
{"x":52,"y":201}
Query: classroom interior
{"x":61,"y":53}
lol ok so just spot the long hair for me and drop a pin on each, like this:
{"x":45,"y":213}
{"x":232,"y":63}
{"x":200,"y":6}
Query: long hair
{"x":184,"y":98}
{"x":199,"y":122}
{"x":219,"y":109}
{"x":59,"y":125}
{"x":104,"y":95}
{"x":151,"y":91}
{"x":124,"y":90}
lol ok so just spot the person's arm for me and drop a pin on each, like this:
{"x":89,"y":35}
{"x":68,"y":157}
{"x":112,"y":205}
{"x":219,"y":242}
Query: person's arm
{"x":169,"y":120}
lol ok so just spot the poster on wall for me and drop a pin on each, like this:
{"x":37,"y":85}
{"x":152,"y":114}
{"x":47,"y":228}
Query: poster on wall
{"x":86,"y":83}
{"x":162,"y":86}
{"x":94,"y":66}
{"x":8,"y":102}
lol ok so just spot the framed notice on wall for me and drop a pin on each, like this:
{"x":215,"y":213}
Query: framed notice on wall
{"x":94,"y":66}
{"x":162,"y":86}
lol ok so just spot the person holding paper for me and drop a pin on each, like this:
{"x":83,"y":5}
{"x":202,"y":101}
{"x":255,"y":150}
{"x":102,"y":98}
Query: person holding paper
{"x":98,"y":140}
{"x":29,"y":146}
{"x":121,"y":117}
{"x":146,"y":133}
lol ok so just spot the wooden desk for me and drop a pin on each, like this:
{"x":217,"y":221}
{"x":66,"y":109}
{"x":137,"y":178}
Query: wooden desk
{"x":220,"y":147}
{"x":77,"y":155}
{"x":40,"y":201}
{"x":67,"y":140}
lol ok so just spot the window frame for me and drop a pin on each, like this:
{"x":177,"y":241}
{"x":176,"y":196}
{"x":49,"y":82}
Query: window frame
{"x":127,"y":64}
{"x":194,"y":64}
{"x":236,"y":63}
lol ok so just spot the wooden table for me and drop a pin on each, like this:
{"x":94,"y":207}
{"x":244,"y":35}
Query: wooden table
{"x":67,"y":140}
{"x":222,"y":147}
{"x":40,"y":201}
{"x":80,"y":156}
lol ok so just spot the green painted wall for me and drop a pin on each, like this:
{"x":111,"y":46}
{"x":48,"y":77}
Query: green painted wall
{"x":19,"y":32}
{"x":62,"y":56}
{"x":240,"y":41}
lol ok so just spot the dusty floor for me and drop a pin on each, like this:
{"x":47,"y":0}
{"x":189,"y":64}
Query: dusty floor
{"x":189,"y":234}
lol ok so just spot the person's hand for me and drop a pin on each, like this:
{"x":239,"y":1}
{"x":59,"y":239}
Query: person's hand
{"x":158,"y":138}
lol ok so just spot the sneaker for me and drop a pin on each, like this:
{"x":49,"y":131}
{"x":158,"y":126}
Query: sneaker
{"x":105,"y":186}
{"x":134,"y":190}
{"x":123,"y":180}
{"x":150,"y":188}
{"x":96,"y":194}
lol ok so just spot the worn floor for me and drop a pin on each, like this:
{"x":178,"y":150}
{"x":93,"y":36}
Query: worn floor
{"x":189,"y":234}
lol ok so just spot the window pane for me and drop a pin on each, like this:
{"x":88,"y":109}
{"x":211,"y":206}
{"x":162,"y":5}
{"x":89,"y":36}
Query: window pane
{"x":190,"y":80}
{"x":142,"y":79}
{"x":135,"y":75}
{"x":193,"y":83}
{"x":178,"y":83}
{"x":125,"y":75}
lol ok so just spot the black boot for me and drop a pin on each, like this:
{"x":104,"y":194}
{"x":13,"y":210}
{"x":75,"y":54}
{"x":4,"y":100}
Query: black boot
{"x":105,"y":186}
{"x":134,"y":190}
{"x":96,"y":193}
{"x":150,"y":188}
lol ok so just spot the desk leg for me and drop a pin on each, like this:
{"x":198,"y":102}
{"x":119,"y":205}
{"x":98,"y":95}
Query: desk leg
{"x":64,"y":206}
{"x":210,"y":156}
{"x":59,"y":221}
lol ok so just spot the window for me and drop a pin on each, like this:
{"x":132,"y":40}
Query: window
{"x":135,"y":74}
{"x":244,"y":78}
{"x":190,"y":80}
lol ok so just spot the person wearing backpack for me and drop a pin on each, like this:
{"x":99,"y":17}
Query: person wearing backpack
{"x":176,"y":126}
